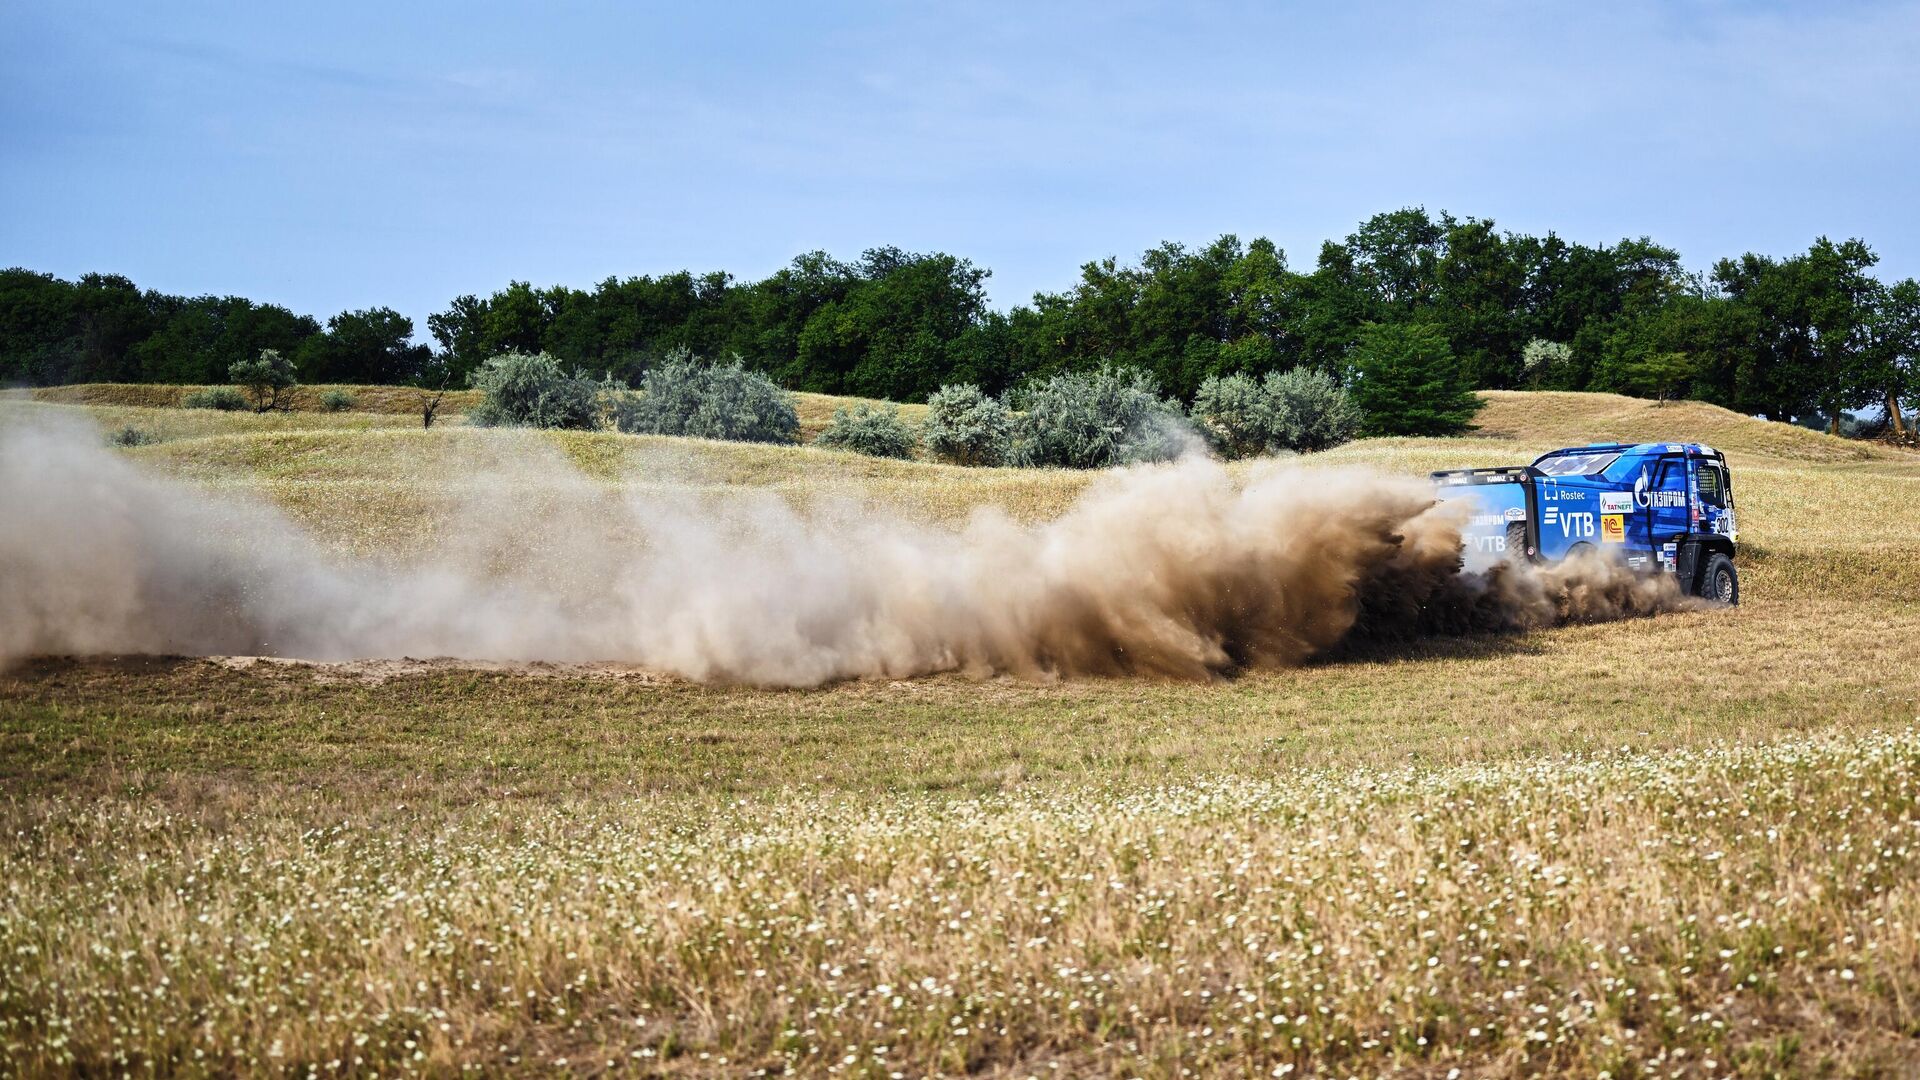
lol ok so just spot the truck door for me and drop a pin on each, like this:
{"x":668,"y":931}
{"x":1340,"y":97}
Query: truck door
{"x":1716,"y":497}
{"x":1666,"y":504}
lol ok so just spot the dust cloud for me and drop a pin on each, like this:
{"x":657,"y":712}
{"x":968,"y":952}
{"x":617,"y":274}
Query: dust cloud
{"x":1179,"y":571}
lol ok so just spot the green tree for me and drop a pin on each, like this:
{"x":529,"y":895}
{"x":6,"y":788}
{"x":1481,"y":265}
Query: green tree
{"x":461,"y":332}
{"x":1334,"y":306}
{"x":113,"y":316}
{"x":1180,"y":314}
{"x":1808,"y":318}
{"x":198,"y":339}
{"x":268,"y":379}
{"x":185,"y":348}
{"x":371,"y":346}
{"x":1183,"y":316}
{"x":1262,"y":299}
{"x":39,"y":328}
{"x":1396,"y":257}
{"x":1660,"y":375}
{"x":1892,"y":360}
{"x":1714,"y":334}
{"x":517,"y":318}
{"x":780,"y":307}
{"x":895,"y":333}
{"x":1581,"y":295}
{"x":987,"y":354}
{"x":247,"y":327}
{"x":1544,"y":361}
{"x":1479,"y":299}
{"x":1409,"y":383}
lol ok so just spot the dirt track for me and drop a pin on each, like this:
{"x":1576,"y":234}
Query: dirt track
{"x":370,"y":672}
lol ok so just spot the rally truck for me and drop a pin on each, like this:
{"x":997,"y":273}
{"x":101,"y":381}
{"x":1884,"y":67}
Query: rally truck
{"x":1658,"y":507}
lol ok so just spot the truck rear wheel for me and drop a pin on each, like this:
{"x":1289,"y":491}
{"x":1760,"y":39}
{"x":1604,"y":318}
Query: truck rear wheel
{"x":1720,"y":582}
{"x":1517,"y":540}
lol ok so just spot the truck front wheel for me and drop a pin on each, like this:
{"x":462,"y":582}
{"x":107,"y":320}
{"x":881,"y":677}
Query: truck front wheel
{"x":1720,"y":582}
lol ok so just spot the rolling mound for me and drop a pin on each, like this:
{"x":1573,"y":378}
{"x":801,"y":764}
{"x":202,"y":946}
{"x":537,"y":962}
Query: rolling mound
{"x":1565,"y":418}
{"x":375,"y":482}
{"x":1547,"y":418}
{"x":815,"y":410}
{"x":1550,"y":848}
{"x":305,"y":399}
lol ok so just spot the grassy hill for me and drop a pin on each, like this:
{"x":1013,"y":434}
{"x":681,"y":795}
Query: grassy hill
{"x":1579,"y":851}
{"x":1533,"y":419}
{"x":1558,"y":418}
{"x":402,"y":400}
{"x":369,"y":479}
{"x":816,"y":410}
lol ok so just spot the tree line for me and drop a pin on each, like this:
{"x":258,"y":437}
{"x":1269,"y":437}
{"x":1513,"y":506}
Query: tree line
{"x":1785,"y":337}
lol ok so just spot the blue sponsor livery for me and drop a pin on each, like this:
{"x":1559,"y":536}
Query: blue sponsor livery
{"x":1661,"y":507}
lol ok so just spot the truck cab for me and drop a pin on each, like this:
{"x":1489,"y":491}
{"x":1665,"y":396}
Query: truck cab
{"x":1657,"y":507}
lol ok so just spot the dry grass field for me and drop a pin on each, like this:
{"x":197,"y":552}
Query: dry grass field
{"x":1683,"y":846}
{"x":386,"y":405}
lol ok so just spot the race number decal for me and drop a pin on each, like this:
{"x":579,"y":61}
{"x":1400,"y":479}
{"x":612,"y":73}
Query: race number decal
{"x":1613,"y":528}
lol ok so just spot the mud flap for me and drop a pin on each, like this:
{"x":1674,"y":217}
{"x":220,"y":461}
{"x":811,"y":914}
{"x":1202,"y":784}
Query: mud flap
{"x":1686,"y":566}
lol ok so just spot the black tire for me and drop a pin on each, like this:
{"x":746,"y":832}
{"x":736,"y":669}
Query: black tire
{"x":1517,"y":541}
{"x":1719,"y":581}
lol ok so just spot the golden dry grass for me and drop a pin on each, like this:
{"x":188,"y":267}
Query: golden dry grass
{"x":402,"y":400}
{"x":1724,"y":911}
{"x":816,"y":411}
{"x":1541,"y":417}
{"x":129,"y":402}
{"x":1682,"y":846}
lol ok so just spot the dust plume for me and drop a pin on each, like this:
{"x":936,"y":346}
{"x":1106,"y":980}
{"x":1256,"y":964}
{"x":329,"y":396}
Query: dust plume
{"x":1179,"y":571}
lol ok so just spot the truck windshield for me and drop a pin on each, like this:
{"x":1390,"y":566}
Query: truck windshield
{"x":1575,"y":464}
{"x":1713,"y":486}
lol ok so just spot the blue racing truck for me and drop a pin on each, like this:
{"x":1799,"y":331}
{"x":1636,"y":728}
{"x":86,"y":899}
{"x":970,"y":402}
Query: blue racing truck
{"x":1658,"y":507}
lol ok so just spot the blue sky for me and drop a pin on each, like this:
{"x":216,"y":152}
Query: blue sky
{"x":350,"y":154}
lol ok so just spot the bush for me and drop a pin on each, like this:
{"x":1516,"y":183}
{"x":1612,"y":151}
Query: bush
{"x":337,"y":400}
{"x":224,"y":398}
{"x":132,"y":436}
{"x":1093,"y":420}
{"x":1301,"y":410}
{"x":1311,"y":411}
{"x":1235,"y":415}
{"x":967,"y":427}
{"x":686,"y":396}
{"x":268,"y":377}
{"x":530,"y":390}
{"x":867,"y":429}
{"x":1409,"y":382}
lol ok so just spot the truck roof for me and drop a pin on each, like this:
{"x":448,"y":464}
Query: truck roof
{"x":1508,"y":474}
{"x":1633,"y":449}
